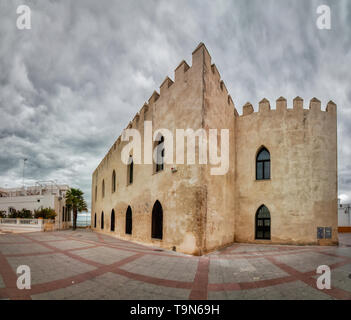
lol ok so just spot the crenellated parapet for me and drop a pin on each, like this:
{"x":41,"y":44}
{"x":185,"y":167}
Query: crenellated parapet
{"x":223,"y":89}
{"x":264,"y":107}
{"x":182,"y":72}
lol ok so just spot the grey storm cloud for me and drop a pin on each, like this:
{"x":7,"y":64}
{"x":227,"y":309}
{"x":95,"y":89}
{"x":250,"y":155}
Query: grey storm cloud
{"x":71,"y":84}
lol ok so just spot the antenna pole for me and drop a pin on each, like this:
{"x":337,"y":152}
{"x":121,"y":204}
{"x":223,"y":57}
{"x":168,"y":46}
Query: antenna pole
{"x":24,"y":163}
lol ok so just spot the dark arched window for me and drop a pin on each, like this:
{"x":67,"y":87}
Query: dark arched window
{"x":130,"y":170}
{"x":113,"y":220}
{"x":102,"y":220}
{"x":95,"y":193}
{"x":157,"y":221}
{"x":263,"y":223}
{"x":129,"y":221}
{"x":63,"y":214}
{"x":263,"y":165}
{"x":113,"y":181}
{"x":95,"y":220}
{"x":160,"y":153}
{"x":103,"y":188}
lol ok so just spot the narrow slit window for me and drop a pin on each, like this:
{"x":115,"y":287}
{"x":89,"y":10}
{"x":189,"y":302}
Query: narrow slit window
{"x":160,"y":153}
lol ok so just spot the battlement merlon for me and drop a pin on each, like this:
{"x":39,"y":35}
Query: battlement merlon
{"x":201,"y":56}
{"x":247,"y":109}
{"x":180,"y":71}
{"x":331,"y":107}
{"x":264,"y":105}
{"x":298,"y":103}
{"x":154,"y":97}
{"x":165,"y":85}
{"x":281,"y":104}
{"x":215,"y":72}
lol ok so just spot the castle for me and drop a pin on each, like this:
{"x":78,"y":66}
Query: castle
{"x":280,"y":187}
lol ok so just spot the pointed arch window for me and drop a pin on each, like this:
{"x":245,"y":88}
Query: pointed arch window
{"x":103,"y":188}
{"x":95,"y":220}
{"x":113,"y":181}
{"x":157,"y":221}
{"x":263,"y":165}
{"x":129,"y":220}
{"x":263,"y":223}
{"x":95,"y":193}
{"x":102,"y":220}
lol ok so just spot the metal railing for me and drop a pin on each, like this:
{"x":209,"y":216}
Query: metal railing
{"x":25,"y":221}
{"x":8,"y":221}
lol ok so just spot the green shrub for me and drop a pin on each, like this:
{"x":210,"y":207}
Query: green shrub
{"x":45,"y":213}
{"x":22,"y":214}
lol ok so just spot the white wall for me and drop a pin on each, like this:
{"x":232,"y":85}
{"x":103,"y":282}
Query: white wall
{"x":27,"y":202}
{"x":344,"y":219}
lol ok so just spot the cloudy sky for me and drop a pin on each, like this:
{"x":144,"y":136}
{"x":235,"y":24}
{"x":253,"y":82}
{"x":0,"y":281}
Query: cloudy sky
{"x":71,"y":84}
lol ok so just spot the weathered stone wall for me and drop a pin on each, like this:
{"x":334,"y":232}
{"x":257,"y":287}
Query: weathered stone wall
{"x":219,"y":114}
{"x":302,"y":192}
{"x":181,"y":194}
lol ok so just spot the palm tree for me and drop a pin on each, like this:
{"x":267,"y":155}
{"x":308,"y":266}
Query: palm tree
{"x":75,"y":202}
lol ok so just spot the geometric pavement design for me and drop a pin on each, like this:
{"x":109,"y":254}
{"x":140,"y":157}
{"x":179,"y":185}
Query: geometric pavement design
{"x":83,"y":264}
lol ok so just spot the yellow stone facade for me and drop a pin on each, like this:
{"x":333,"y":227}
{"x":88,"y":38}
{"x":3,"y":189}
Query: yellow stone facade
{"x":204,"y":212}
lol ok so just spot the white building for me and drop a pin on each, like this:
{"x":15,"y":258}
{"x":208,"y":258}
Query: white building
{"x":45,"y":194}
{"x":344,"y":217}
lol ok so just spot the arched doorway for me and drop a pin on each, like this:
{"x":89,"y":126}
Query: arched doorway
{"x":95,"y":220}
{"x":129,"y":221}
{"x":157,"y":221}
{"x":113,"y":220}
{"x":263,"y":223}
{"x":102,"y":220}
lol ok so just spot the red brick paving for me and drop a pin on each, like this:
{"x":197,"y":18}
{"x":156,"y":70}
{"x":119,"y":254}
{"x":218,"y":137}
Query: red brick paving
{"x":199,"y":289}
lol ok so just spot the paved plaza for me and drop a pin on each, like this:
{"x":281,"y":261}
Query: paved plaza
{"x":86,"y":265}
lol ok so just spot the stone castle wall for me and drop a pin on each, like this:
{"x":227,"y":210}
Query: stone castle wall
{"x":302,"y":192}
{"x":203,"y":212}
{"x":181,"y":194}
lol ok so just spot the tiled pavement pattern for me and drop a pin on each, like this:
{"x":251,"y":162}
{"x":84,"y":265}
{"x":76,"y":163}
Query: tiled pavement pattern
{"x":88,"y":265}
